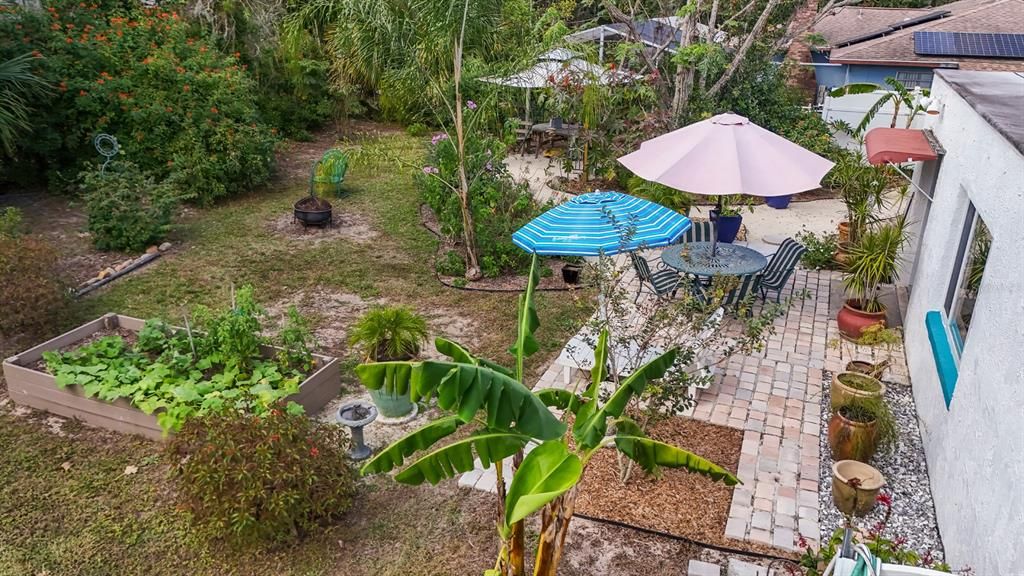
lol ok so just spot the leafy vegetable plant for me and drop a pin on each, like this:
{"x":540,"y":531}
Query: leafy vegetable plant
{"x":178,"y":374}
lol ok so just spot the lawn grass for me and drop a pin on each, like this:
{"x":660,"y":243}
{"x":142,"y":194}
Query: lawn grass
{"x":93,"y":519}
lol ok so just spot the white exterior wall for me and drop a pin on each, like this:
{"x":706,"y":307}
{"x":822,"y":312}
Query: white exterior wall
{"x":852,"y":108}
{"x":975,"y":449}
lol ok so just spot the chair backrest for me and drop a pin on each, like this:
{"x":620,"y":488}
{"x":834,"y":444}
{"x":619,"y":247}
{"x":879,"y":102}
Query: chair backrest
{"x":784,"y":260}
{"x":748,"y":285}
{"x":643,"y":269}
{"x":331,"y":167}
{"x":698,"y":232}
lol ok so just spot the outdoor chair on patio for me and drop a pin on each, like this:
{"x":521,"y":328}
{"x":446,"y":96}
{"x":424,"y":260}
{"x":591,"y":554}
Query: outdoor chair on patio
{"x":698,"y":232}
{"x":663,"y":282}
{"x":746,"y":288}
{"x":781,"y":267}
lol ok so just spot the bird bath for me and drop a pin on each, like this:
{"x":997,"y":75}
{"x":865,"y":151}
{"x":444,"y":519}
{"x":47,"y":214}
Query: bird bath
{"x":357,"y":414}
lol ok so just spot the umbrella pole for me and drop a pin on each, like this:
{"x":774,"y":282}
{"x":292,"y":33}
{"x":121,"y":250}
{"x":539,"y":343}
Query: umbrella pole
{"x":714,"y":226}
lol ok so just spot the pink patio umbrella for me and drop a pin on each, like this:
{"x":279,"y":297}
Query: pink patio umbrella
{"x":727,"y":154}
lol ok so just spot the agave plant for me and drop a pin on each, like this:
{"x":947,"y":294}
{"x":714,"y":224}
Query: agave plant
{"x":508,"y":417}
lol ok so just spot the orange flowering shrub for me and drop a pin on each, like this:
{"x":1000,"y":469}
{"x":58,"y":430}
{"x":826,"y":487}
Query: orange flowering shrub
{"x":180,"y":108}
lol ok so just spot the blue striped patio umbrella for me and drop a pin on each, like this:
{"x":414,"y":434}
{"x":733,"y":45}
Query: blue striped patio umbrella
{"x":596,"y":223}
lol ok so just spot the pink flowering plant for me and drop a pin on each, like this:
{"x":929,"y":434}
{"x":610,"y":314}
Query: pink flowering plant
{"x":890,"y":549}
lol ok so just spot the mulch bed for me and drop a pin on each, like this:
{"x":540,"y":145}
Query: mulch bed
{"x":682,"y":504}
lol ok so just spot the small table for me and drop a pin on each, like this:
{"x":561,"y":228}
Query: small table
{"x":730,"y":260}
{"x":566,"y":132}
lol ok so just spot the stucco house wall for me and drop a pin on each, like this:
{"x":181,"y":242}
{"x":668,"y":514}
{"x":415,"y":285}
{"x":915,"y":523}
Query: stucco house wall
{"x":975,"y":448}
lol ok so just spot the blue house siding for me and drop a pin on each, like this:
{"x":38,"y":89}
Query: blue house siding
{"x":837,"y":75}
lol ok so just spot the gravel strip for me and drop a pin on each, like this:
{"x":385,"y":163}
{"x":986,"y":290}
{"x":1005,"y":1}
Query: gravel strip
{"x":906,"y":477}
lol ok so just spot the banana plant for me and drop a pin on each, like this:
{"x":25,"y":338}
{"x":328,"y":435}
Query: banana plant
{"x":507,"y":419}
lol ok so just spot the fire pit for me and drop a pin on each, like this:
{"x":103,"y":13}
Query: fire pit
{"x":356,"y":414}
{"x":313,"y":211}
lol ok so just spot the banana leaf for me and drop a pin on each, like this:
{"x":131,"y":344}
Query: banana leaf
{"x":526,"y":343}
{"x":467,"y":389}
{"x":597,"y":376}
{"x":545,"y":474}
{"x":651,"y":455}
{"x":457,"y":457}
{"x":590,"y":433}
{"x":420,"y":439}
{"x":459,"y":353}
{"x":560,"y":399}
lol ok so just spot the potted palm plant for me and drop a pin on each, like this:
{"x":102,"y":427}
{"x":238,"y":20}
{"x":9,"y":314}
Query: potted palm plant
{"x":873,"y":261}
{"x":387,"y":334}
{"x":860,"y":427}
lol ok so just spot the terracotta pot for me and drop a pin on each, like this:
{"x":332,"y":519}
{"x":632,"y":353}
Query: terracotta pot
{"x":843,"y":231}
{"x":841,"y":256}
{"x":862,"y":367}
{"x":851,"y":440}
{"x":857,"y":500}
{"x":847,"y":386}
{"x":853,"y":320}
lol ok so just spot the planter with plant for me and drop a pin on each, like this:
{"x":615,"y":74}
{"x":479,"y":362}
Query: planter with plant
{"x":390,"y":334}
{"x":149,"y":378}
{"x":728,"y":218}
{"x":572,"y":269}
{"x":855,"y":486}
{"x":847,"y":386}
{"x":872,"y":262}
{"x":861,"y":427}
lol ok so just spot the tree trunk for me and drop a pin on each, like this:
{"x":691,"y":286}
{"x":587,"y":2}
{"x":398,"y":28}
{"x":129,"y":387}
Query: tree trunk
{"x":555,"y":518}
{"x":684,"y":72}
{"x":468,"y":233}
{"x":744,"y":48}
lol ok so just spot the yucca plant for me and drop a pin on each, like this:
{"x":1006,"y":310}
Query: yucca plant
{"x":874,"y":260}
{"x":507,"y":417}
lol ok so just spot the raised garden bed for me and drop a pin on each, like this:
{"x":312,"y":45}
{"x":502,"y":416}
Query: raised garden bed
{"x":28,"y":385}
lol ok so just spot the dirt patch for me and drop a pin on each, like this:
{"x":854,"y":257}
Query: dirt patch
{"x":680,"y":503}
{"x":346,"y":226}
{"x":64,"y":224}
{"x":332,"y":315}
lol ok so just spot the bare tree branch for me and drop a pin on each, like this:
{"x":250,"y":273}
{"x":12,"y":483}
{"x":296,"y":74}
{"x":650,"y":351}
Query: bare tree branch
{"x":762,"y":20}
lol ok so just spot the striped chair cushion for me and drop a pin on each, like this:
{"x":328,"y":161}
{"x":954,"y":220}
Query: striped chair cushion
{"x":749,"y":284}
{"x":783,"y":263}
{"x":664,"y":281}
{"x":643,"y":269}
{"x":698,"y":232}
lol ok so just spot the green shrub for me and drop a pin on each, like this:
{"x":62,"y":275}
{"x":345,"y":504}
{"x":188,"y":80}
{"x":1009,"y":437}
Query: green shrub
{"x":453,"y":264}
{"x":271,"y":478}
{"x":417,"y":129}
{"x":821,"y":250}
{"x":127,"y":209}
{"x":179,"y":107}
{"x":33,"y":295}
{"x":10,"y":222}
{"x":499,"y":205}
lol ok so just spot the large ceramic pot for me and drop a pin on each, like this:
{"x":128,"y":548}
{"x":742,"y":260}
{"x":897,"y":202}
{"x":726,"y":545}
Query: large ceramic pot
{"x":728,"y":226}
{"x":853,"y":320}
{"x":778,"y":202}
{"x":848,"y":386}
{"x":571,"y":273}
{"x":843,"y":233}
{"x":851,"y":439}
{"x":391,"y":405}
{"x":855,"y":486}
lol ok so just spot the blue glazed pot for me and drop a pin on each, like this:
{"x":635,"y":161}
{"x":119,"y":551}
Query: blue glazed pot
{"x":778,"y":202}
{"x":728,"y":226}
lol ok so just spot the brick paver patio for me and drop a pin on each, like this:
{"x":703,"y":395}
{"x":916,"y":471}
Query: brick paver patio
{"x":774,"y":397}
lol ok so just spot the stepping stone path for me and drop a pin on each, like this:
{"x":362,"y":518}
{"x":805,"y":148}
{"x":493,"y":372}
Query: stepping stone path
{"x":774,"y":397}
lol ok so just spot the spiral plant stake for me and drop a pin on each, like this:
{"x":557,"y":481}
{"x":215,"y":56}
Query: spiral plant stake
{"x":108,"y":147}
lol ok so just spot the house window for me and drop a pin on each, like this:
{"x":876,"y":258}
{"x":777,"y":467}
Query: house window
{"x":912,"y":80}
{"x":965,"y":282}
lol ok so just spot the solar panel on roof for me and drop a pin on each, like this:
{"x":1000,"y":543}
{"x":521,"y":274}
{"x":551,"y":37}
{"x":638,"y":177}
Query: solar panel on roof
{"x":969,"y":44}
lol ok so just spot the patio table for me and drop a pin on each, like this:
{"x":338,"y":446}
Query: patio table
{"x":731,"y":260}
{"x":567,"y":132}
